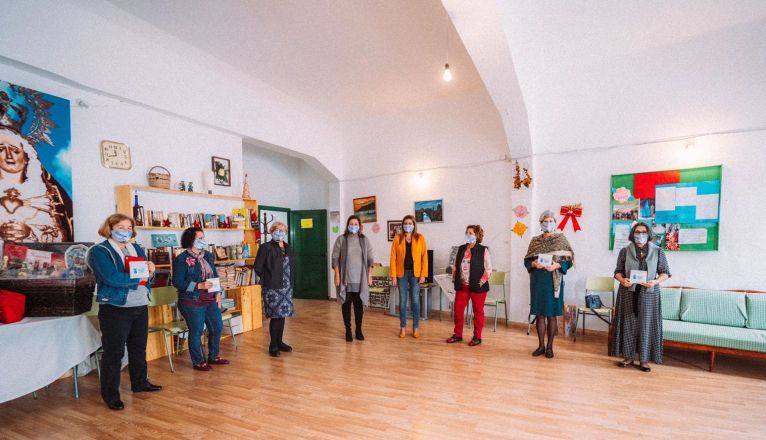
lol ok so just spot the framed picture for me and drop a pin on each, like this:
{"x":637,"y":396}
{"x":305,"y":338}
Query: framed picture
{"x":221,"y":253}
{"x":429,"y":211}
{"x":366,"y":208}
{"x":164,"y":240}
{"x":394,"y":228}
{"x":221,"y":171}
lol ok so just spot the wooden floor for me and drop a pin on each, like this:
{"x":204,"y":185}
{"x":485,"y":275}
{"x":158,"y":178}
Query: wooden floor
{"x":386,"y":387}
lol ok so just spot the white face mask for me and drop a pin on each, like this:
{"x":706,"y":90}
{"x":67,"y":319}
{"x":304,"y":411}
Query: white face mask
{"x":470,"y":239}
{"x":548,"y":226}
{"x":408,"y":228}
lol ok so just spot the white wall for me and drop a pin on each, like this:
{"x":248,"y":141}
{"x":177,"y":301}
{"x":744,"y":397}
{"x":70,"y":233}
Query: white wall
{"x":585,"y":177}
{"x":155,"y":139}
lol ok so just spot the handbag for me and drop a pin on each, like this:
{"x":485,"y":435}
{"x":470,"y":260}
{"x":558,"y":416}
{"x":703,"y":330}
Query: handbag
{"x":593,"y":301}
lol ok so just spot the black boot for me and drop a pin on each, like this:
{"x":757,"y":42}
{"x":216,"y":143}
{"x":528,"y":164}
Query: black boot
{"x":280,"y":343}
{"x":346,"y":310}
{"x":274,"y":334}
{"x":358,"y":313}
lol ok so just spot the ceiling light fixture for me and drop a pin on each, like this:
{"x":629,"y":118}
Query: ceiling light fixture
{"x":447,"y":75}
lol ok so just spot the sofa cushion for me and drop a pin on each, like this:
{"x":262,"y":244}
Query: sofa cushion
{"x":714,"y":335}
{"x":671,"y":303}
{"x":715,"y":307}
{"x":756,"y":310}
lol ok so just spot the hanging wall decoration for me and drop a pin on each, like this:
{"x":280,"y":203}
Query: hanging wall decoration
{"x":519,"y":228}
{"x":335,"y":221}
{"x":429,"y":211}
{"x":222,"y":171}
{"x":375,"y":228}
{"x":571,"y":212}
{"x":680,"y":206}
{"x":521,"y":211}
{"x":521,"y":176}
{"x":35,"y":170}
{"x":366,"y":208}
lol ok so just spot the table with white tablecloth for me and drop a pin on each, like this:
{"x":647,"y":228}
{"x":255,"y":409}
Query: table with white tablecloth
{"x":36,"y":351}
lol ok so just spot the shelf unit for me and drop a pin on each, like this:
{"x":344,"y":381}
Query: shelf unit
{"x":247,"y":298}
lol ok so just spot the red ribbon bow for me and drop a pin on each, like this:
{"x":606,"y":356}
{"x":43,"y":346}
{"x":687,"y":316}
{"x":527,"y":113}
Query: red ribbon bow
{"x":571,"y":211}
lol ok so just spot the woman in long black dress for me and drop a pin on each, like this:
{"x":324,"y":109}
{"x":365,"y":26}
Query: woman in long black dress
{"x":638,"y":321}
{"x":275,"y":264}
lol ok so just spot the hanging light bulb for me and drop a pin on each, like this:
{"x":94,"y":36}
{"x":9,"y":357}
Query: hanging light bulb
{"x":447,"y":76}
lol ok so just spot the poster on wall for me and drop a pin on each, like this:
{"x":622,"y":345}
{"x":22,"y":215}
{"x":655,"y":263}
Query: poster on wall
{"x":366,"y":208}
{"x":429,"y":211}
{"x":35,"y":167}
{"x":680,"y":206}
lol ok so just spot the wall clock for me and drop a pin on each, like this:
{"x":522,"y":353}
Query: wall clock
{"x":115,"y":155}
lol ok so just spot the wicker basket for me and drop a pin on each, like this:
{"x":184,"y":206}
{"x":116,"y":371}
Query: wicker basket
{"x":54,"y":297}
{"x":159,"y":180}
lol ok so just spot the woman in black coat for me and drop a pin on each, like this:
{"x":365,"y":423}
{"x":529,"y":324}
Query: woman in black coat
{"x":275,"y":265}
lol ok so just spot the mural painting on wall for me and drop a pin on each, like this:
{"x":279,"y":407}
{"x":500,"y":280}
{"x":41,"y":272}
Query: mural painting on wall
{"x":521,"y":176}
{"x":35,"y":166}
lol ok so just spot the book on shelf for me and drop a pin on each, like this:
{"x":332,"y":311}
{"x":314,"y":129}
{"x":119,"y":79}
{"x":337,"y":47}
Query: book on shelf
{"x":200,"y":219}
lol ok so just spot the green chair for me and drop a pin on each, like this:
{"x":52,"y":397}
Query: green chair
{"x":167,"y":296}
{"x":497,"y":279}
{"x":605,"y":313}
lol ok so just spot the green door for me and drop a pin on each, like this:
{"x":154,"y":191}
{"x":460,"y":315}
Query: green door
{"x":308,"y":237}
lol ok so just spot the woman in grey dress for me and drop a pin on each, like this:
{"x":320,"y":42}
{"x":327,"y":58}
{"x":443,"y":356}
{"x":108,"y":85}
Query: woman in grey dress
{"x":352,"y":262}
{"x":275,"y":264}
{"x":638,"y":322}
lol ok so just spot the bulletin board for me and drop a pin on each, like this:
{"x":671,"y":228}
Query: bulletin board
{"x":682,"y":208}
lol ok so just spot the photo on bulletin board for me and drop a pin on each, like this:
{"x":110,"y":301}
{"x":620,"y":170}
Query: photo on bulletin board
{"x":429,"y":211}
{"x":394,"y":229}
{"x":682,"y":207}
{"x":366,"y":208}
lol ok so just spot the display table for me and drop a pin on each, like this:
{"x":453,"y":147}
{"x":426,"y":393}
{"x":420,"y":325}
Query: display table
{"x":425,"y":301}
{"x":36,"y":351}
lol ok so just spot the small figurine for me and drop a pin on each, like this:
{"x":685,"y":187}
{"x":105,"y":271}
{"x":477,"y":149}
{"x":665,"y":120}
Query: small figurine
{"x":182,"y":186}
{"x":190,"y":187}
{"x":245,"y":188}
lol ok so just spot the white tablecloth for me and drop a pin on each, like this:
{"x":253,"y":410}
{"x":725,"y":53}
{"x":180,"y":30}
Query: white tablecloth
{"x":36,"y":351}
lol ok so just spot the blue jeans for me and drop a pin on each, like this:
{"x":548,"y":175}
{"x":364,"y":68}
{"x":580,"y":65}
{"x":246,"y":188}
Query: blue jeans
{"x":409,"y":284}
{"x":196,"y":319}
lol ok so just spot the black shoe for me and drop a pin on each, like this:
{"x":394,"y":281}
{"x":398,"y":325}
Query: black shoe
{"x":116,"y":405}
{"x":359,"y":335}
{"x":349,"y":337}
{"x":284,"y":347}
{"x":452,"y":339}
{"x":273,"y":351}
{"x":148,"y":387}
{"x":539,"y":352}
{"x":549,"y":352}
{"x":645,"y":369}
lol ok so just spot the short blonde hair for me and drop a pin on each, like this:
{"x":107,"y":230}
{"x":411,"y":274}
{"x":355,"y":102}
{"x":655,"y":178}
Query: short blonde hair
{"x":106,"y":229}
{"x":275,"y":226}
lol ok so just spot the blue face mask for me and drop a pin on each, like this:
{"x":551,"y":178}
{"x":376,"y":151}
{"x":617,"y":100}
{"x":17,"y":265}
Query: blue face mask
{"x":279,"y":235}
{"x":200,"y":244}
{"x":408,"y":228}
{"x":470,"y":239}
{"x":548,"y":226}
{"x":121,"y":236}
{"x":641,"y":239}
{"x":353,"y":229}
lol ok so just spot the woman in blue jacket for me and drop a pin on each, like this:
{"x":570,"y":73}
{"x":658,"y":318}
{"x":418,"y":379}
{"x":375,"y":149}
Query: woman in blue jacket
{"x":123,"y":308}
{"x":192,"y":271}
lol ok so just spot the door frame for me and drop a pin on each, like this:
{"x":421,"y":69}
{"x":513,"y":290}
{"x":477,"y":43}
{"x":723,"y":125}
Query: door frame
{"x":288,"y":211}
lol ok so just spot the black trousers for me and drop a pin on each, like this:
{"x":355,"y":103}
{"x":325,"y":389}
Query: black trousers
{"x":121,"y":326}
{"x":355,"y":299}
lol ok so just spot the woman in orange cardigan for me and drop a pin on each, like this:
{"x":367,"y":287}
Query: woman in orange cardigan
{"x":409,"y":267}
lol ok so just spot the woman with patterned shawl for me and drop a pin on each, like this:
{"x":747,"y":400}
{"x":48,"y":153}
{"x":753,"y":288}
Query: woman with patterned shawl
{"x":546,"y":282}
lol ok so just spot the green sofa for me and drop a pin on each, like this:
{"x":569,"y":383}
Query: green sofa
{"x":715,"y":321}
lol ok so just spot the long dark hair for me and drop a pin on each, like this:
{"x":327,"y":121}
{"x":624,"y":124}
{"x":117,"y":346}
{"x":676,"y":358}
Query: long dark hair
{"x":353,"y":217}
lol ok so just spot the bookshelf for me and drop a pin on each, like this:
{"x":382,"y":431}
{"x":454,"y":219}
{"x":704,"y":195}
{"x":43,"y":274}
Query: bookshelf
{"x":247,"y":298}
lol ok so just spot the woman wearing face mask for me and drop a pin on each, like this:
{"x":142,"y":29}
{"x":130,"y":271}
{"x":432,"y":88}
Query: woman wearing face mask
{"x":638,"y":320}
{"x":409,"y":267}
{"x":275,"y":264}
{"x":123,"y":308}
{"x":192,"y":272}
{"x":473,"y":267}
{"x":352,"y":262}
{"x":546,"y":282}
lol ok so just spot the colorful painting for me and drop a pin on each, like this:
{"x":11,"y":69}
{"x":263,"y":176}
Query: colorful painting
{"x":221,"y":171}
{"x":394,"y":229}
{"x":366,"y":208}
{"x":429,"y":211}
{"x":35,"y":166}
